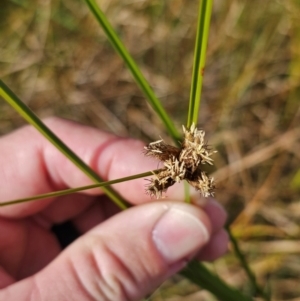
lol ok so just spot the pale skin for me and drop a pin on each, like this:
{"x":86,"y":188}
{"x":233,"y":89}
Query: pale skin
{"x":119,"y":255}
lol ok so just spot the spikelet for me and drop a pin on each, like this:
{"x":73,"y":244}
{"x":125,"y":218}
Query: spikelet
{"x":181,"y":163}
{"x":161,"y":151}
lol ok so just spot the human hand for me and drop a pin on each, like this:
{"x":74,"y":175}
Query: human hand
{"x":120,"y":255}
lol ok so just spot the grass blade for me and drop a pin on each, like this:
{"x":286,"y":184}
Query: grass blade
{"x":204,"y":16}
{"x":134,"y":69}
{"x":33,"y":119}
{"x":200,"y":275}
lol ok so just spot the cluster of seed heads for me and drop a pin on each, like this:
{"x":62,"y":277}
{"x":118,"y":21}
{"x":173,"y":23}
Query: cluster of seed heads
{"x":182,"y":163}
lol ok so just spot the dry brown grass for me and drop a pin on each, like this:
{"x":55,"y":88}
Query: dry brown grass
{"x":55,"y":57}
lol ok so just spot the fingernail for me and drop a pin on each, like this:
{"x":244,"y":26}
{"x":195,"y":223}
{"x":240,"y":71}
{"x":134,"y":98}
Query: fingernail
{"x":178,"y":234}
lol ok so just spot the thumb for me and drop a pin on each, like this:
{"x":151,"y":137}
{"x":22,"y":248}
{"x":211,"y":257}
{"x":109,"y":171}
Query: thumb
{"x":124,"y":258}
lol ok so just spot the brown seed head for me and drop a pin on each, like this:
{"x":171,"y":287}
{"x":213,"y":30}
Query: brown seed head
{"x":162,"y":151}
{"x":159,"y":184}
{"x":202,"y":182}
{"x":182,"y":163}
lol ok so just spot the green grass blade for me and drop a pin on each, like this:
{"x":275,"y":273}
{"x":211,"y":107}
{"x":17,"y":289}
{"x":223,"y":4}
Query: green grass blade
{"x":204,"y":16}
{"x":134,"y":69}
{"x":200,"y":275}
{"x":77,"y":189}
{"x":30,"y":117}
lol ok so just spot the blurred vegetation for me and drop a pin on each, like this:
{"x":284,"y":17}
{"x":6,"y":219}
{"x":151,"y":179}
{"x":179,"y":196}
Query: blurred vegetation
{"x":56,"y":59}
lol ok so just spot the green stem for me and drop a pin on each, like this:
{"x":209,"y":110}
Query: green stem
{"x":134,"y":69}
{"x":77,"y":189}
{"x":200,"y":275}
{"x":30,"y":117}
{"x":257,"y":289}
{"x":187,"y":195}
{"x":205,"y":9}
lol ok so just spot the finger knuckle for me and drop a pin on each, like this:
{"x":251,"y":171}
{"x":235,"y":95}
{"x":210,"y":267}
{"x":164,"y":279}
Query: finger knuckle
{"x":107,"y":277}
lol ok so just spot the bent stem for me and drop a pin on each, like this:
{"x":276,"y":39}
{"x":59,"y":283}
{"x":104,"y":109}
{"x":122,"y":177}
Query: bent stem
{"x":33,"y":119}
{"x":134,"y":69}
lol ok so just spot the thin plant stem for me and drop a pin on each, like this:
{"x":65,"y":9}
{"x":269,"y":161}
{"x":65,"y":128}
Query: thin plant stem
{"x":204,"y":16}
{"x":196,"y":271}
{"x":77,"y":189}
{"x":187,"y":195}
{"x":200,"y":275}
{"x":134,"y":69}
{"x":34,"y":120}
{"x":257,"y":289}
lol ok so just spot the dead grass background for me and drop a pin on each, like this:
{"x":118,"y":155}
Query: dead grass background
{"x":56,"y":58}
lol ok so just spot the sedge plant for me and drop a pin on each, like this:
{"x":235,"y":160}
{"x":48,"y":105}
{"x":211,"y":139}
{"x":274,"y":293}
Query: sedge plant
{"x":195,"y":271}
